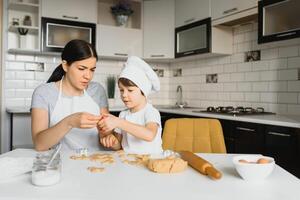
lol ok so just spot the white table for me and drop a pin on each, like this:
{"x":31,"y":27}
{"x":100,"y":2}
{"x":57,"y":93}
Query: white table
{"x":122,"y":181}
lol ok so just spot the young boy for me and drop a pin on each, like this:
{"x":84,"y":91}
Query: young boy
{"x":138,"y":128}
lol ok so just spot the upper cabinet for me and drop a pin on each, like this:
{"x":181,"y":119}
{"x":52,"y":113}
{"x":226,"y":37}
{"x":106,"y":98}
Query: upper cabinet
{"x":229,"y":10}
{"x":159,"y":29}
{"x":23,"y":25}
{"x":76,"y":10}
{"x":115,"y":40}
{"x":189,"y":11}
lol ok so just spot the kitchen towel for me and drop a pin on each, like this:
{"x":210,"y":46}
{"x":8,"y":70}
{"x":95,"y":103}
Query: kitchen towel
{"x":11,"y":166}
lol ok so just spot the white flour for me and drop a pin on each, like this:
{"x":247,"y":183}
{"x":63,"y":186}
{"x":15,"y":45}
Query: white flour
{"x":45,"y":178}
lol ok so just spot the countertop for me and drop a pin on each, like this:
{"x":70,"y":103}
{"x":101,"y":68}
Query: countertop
{"x":278,"y":120}
{"x":123,"y":181}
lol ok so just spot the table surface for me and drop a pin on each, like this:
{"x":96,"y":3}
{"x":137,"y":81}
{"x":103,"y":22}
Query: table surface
{"x":125,"y":181}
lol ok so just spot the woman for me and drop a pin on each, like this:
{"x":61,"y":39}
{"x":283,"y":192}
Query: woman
{"x":68,"y":107}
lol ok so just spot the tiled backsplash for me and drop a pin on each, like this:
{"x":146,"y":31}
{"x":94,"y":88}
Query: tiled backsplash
{"x":20,"y":79}
{"x":271,"y":83}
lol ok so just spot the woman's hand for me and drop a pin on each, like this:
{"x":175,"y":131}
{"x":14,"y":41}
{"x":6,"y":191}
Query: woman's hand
{"x":107,"y":123}
{"x":83,"y":120}
{"x":110,"y":141}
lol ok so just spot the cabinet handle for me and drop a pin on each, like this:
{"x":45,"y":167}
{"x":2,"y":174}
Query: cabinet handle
{"x":189,"y":20}
{"x":189,"y":52}
{"x":120,"y":54}
{"x":157,"y":56}
{"x":70,"y":17}
{"x":245,"y":129}
{"x":279,"y":134}
{"x":286,"y":34}
{"x":229,"y":11}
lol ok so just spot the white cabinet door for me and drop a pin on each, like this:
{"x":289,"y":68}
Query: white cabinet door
{"x":118,"y":42}
{"x":77,"y":10}
{"x":224,"y":8}
{"x":159,"y":29}
{"x":21,"y":131}
{"x":188,"y":11}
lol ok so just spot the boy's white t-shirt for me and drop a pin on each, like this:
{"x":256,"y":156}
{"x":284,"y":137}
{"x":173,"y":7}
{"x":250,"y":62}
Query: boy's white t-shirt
{"x":130,"y":143}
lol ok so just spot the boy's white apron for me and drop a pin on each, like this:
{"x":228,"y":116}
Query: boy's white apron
{"x":65,"y":106}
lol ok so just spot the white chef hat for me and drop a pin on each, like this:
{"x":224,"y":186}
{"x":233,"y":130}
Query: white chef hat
{"x":140,"y":73}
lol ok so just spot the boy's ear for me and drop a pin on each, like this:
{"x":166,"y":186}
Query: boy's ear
{"x":64,"y":65}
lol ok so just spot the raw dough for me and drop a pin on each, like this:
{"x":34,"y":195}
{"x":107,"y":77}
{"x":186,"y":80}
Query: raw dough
{"x":167,"y":165}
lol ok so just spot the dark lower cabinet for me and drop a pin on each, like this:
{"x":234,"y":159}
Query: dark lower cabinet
{"x":248,"y":137}
{"x":283,"y":144}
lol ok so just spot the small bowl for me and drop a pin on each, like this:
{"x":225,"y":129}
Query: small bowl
{"x":253,"y":171}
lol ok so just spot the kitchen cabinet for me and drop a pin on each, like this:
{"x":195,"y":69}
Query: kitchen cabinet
{"x":76,"y":10}
{"x":232,"y":9}
{"x":20,"y":130}
{"x":189,"y":11}
{"x":248,"y":137}
{"x":20,"y":35}
{"x":118,"y":42}
{"x":283,"y":143}
{"x":159,"y":29}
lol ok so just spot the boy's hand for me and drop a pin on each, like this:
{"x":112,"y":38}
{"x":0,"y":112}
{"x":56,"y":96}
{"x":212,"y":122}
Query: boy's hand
{"x":109,"y":141}
{"x":107,"y":123}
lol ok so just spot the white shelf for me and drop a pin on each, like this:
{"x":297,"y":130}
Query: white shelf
{"x":31,"y":29}
{"x":30,"y":7}
{"x":32,"y":52}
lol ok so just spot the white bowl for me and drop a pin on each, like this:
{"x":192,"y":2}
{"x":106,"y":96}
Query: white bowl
{"x":253,"y":171}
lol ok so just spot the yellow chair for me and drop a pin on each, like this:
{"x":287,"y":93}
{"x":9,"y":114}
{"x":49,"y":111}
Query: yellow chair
{"x":197,"y":135}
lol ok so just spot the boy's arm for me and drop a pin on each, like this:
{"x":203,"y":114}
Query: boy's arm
{"x":147,"y":132}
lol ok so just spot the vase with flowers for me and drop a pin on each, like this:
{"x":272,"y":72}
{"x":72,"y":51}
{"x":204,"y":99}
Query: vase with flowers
{"x":122,"y":10}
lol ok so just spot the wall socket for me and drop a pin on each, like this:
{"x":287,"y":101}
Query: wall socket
{"x":39,"y":67}
{"x":159,"y":72}
{"x":211,"y":78}
{"x":177,"y":72}
{"x":252,"y":56}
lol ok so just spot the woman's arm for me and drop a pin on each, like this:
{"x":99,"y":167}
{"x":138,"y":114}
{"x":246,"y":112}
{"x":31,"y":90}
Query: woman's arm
{"x":44,"y":137}
{"x":147,"y":132}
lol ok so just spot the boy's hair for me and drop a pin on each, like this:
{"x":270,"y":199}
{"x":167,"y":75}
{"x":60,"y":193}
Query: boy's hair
{"x":128,"y":83}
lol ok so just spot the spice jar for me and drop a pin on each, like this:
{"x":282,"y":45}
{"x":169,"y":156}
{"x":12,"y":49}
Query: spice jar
{"x":44,"y":175}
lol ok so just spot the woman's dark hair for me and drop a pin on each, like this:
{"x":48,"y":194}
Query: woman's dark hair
{"x":74,"y":50}
{"x":128,"y":83}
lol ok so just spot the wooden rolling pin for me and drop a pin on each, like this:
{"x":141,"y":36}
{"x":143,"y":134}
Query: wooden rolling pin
{"x":200,"y":164}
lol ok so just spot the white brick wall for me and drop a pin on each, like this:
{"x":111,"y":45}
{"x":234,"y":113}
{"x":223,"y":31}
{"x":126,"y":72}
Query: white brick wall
{"x":272,"y":83}
{"x":20,"y":83}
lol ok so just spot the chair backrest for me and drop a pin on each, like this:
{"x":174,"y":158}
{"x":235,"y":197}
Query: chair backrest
{"x":197,"y":135}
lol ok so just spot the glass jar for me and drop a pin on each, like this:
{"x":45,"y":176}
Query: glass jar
{"x":43,"y":175}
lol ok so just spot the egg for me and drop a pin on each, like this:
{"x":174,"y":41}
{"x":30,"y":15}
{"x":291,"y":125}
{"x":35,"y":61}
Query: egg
{"x":263,"y":161}
{"x":243,"y":161}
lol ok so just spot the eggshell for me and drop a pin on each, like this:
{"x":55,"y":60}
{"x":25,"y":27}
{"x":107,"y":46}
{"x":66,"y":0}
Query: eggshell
{"x":263,"y":161}
{"x":243,"y":161}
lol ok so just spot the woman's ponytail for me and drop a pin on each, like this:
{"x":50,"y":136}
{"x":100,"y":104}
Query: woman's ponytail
{"x":57,"y":74}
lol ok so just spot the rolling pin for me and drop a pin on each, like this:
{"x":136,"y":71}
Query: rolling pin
{"x":201,"y":165}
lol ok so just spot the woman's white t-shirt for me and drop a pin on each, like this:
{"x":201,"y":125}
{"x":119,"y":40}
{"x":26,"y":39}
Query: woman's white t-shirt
{"x":132,"y":144}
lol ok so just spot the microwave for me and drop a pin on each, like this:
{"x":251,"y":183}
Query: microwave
{"x":194,"y":38}
{"x":278,"y":20}
{"x":56,"y":33}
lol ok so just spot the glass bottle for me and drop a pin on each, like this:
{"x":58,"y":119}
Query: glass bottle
{"x":43,"y":175}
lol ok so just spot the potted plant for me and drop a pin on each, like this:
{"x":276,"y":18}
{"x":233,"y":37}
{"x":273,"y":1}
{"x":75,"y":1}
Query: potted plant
{"x":122,"y":10}
{"x":111,"y":82}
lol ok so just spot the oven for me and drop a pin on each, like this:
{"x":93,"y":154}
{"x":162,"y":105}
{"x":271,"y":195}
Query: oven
{"x":56,"y":33}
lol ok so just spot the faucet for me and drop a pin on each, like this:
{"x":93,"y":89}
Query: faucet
{"x":179,"y":102}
